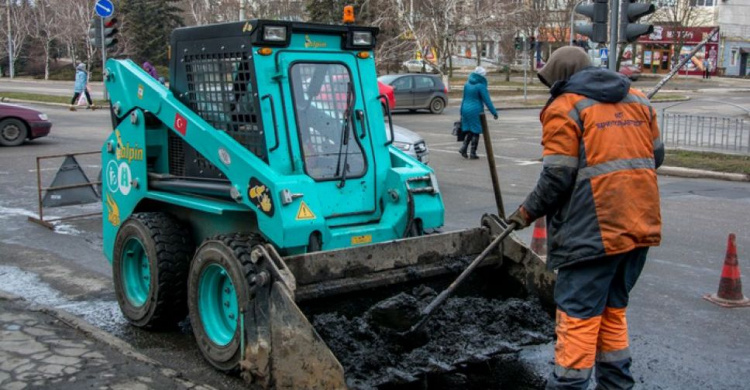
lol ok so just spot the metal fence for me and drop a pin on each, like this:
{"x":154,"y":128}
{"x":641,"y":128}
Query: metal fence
{"x":703,"y":132}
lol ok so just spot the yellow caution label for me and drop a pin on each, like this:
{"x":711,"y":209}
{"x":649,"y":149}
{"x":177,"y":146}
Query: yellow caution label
{"x":359,"y":240}
{"x":304,"y":212}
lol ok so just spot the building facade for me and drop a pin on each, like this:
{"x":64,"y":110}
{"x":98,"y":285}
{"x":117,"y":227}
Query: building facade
{"x":734,"y":19}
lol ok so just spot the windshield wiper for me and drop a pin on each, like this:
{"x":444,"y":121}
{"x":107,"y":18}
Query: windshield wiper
{"x":344,"y":145}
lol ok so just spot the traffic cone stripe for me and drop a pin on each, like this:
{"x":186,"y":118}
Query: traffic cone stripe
{"x":730,"y":285}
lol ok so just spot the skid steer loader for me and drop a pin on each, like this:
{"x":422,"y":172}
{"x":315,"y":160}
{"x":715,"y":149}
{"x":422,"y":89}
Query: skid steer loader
{"x":264,"y":177}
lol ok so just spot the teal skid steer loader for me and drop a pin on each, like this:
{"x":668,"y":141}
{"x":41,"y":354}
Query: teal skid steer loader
{"x":263,"y":177}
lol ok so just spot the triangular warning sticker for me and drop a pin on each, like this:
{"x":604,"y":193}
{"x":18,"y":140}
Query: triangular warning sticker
{"x":304,"y":212}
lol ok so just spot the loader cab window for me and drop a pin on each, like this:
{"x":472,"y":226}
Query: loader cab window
{"x":323,"y":95}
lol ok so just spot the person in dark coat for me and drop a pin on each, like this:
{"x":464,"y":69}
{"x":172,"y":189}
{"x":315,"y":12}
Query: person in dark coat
{"x":598,"y":189}
{"x":475,"y":98}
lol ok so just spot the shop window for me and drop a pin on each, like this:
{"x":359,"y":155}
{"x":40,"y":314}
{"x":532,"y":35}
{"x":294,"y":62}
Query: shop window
{"x":733,"y":58}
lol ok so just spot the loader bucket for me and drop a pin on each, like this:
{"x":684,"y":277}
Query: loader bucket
{"x":284,"y":349}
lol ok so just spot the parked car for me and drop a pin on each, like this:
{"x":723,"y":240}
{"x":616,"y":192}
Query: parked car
{"x":387,"y":90}
{"x":418,"y":91}
{"x":18,"y":124}
{"x":631,"y":71}
{"x":410,"y":143}
{"x":419,"y":66}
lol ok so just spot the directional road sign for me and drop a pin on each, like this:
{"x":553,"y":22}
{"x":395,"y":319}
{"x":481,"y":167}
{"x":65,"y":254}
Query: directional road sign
{"x":104,"y":8}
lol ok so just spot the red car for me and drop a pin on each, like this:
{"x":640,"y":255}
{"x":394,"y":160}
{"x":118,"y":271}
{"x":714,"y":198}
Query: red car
{"x":387,"y":90}
{"x":630,"y":71}
{"x":18,"y":124}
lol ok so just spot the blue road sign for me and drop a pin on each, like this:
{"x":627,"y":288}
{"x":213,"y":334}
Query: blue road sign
{"x":104,"y":8}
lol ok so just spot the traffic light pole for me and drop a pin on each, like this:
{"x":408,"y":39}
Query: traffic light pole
{"x":614,"y":23}
{"x":104,"y":60}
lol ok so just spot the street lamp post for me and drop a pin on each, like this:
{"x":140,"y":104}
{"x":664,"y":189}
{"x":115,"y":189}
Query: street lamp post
{"x":242,"y":9}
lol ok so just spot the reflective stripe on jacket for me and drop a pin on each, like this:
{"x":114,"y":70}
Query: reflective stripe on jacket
{"x":598,"y":185}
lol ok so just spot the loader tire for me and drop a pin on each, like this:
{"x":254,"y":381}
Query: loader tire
{"x":221,"y":277}
{"x":152,"y":254}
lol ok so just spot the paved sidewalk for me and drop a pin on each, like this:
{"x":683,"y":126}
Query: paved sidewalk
{"x":47,"y":349}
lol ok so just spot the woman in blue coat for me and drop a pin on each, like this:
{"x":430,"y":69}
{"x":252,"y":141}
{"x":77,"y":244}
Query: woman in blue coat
{"x":475,"y":98}
{"x":82,"y":78}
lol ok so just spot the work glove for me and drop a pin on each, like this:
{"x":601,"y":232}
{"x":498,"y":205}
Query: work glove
{"x":521,"y":218}
{"x":495,"y":116}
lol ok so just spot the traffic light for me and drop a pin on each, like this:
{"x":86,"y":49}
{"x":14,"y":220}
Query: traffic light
{"x":110,"y":31}
{"x":95,"y":32}
{"x":597,"y":12}
{"x":517,"y":43}
{"x":630,"y":12}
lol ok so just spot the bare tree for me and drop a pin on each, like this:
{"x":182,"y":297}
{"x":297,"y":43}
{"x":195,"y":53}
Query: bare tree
{"x":20,"y":24}
{"x":44,"y":28}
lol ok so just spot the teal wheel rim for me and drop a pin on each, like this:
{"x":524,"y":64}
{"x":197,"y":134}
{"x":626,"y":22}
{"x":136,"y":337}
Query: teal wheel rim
{"x":217,"y":304}
{"x":136,"y":272}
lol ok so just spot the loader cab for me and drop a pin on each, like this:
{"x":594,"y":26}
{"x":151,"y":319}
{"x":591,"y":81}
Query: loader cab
{"x":302,"y":97}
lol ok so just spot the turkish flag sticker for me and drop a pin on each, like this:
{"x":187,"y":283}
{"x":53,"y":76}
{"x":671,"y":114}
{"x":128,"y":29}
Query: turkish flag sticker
{"x":180,"y":124}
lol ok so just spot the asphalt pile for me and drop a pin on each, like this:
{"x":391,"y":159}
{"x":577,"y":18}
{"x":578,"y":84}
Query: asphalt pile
{"x":470,"y":342}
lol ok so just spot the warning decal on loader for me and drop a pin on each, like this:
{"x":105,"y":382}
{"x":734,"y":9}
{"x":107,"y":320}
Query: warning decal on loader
{"x":304,"y":212}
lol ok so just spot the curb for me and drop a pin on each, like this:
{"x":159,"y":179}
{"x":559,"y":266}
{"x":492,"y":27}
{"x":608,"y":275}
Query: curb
{"x":702,"y":174}
{"x":114,"y":342}
{"x":7,"y":100}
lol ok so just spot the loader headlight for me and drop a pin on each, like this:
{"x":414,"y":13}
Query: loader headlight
{"x":362,"y":38}
{"x":274,"y":33}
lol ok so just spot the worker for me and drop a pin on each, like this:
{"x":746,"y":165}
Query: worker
{"x":599,"y":192}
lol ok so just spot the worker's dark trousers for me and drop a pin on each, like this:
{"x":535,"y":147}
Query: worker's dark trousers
{"x":592,"y":333}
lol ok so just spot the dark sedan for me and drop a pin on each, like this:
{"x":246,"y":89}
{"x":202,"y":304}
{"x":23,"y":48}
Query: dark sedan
{"x":18,"y":124}
{"x":418,"y":91}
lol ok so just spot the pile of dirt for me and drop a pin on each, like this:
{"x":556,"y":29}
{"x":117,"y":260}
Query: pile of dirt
{"x":464,"y":332}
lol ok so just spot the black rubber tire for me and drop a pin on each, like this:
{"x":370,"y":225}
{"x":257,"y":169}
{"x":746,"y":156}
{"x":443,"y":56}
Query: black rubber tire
{"x":13,"y":132}
{"x":437,"y":105}
{"x":232,"y":252}
{"x":169,"y":246}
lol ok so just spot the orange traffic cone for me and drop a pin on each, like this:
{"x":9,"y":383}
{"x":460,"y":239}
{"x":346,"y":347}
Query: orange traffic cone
{"x":539,"y":237}
{"x":730,"y":285}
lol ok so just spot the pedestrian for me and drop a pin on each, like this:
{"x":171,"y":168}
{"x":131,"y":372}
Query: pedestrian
{"x":475,"y":98}
{"x":709,"y":68}
{"x":150,"y":70}
{"x":81,"y":87}
{"x":706,"y":65}
{"x":599,"y":192}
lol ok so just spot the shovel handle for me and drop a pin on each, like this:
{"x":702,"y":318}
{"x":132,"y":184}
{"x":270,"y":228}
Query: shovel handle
{"x":427,"y":312}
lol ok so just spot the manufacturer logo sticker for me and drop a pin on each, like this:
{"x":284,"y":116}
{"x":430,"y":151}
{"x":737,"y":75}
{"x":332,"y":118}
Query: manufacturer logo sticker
{"x":113,"y":212}
{"x":180,"y":124}
{"x":111,"y":176}
{"x":310,"y":44}
{"x":260,"y":196}
{"x":124,"y":178}
{"x":304,"y":212}
{"x":247,"y":27}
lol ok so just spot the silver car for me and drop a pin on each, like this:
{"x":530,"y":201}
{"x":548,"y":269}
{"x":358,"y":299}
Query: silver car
{"x":410,"y":143}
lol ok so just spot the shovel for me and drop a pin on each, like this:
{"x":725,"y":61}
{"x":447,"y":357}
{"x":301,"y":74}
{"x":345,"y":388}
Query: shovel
{"x":425,"y":314}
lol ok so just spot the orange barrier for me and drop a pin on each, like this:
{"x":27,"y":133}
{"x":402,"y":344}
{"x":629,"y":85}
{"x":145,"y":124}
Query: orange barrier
{"x":730,"y":285}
